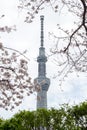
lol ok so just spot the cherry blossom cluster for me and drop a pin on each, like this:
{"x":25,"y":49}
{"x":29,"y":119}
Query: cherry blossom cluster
{"x":15,"y":81}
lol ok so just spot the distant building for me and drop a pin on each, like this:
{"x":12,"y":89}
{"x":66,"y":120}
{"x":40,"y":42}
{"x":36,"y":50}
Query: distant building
{"x":42,"y":80}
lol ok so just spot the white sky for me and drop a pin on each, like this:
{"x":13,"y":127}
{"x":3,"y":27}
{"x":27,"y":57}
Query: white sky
{"x":27,"y":36}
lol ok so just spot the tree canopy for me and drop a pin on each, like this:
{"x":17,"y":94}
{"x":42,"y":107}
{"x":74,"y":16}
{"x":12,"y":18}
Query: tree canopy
{"x":64,"y":118}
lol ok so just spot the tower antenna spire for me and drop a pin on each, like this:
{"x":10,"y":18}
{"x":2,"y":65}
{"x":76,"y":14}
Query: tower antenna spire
{"x":42,"y":30}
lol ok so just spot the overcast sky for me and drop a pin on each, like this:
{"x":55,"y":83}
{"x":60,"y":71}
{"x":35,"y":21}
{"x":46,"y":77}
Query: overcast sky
{"x":27,"y":36}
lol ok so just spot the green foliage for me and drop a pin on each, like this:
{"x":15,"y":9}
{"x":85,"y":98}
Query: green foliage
{"x":65,"y":118}
{"x":79,"y":113}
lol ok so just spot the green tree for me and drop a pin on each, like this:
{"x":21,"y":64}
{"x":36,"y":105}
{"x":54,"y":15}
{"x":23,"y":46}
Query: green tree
{"x":65,"y":118}
{"x":80,"y":115}
{"x":23,"y":120}
{"x":42,"y":118}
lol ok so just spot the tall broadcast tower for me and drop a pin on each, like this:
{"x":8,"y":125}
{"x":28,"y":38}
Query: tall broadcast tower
{"x":42,"y":79}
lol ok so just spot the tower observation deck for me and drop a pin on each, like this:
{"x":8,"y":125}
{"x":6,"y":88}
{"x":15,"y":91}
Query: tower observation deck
{"x":42,"y":79}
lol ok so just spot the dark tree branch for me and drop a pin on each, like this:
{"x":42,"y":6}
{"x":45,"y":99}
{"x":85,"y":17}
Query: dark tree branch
{"x":72,"y":37}
{"x":83,"y":23}
{"x":7,"y":68}
{"x":84,"y":14}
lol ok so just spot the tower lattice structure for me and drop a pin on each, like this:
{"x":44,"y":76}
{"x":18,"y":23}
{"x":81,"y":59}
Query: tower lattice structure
{"x":42,"y":79}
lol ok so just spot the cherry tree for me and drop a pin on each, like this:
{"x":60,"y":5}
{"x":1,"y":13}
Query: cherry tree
{"x":70,"y":48}
{"x":15,"y":81}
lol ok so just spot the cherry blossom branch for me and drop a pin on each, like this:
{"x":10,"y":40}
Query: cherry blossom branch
{"x":83,"y":23}
{"x":17,"y":52}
